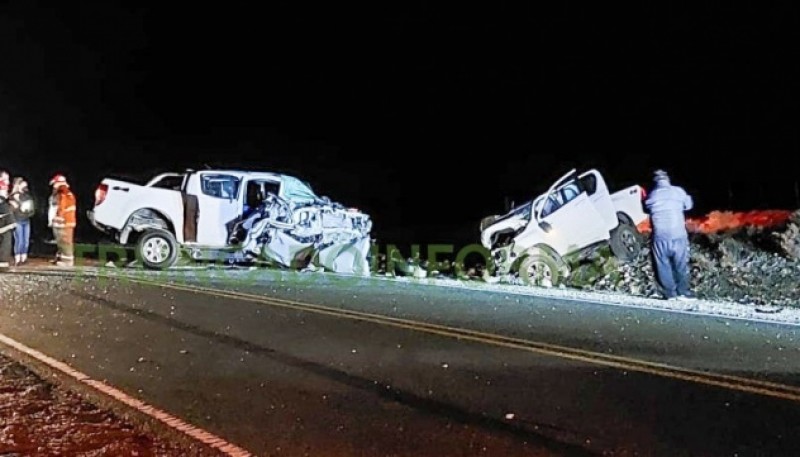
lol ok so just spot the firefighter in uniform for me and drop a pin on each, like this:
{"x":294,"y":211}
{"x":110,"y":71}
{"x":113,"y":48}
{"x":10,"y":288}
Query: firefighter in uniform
{"x":62,"y":217}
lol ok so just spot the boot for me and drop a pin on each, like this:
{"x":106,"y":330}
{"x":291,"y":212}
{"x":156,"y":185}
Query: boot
{"x":17,"y":260}
{"x":65,"y":261}
{"x":24,"y":258}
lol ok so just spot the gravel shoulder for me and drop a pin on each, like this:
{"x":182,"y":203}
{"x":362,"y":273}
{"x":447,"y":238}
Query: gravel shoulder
{"x":39,"y":417}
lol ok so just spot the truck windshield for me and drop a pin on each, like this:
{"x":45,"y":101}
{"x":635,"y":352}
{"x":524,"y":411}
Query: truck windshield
{"x":296,"y":190}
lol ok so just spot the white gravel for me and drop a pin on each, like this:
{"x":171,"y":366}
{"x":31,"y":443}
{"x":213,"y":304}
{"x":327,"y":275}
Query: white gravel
{"x":729,"y":310}
{"x":723,"y":309}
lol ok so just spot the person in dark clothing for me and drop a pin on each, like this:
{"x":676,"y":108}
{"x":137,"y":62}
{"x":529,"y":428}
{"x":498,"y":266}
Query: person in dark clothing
{"x":7,"y":224}
{"x":24,"y":209}
{"x":666,"y":204}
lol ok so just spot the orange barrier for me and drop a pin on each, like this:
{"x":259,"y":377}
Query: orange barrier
{"x":718,"y":221}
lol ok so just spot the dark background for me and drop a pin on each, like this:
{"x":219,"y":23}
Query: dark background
{"x":426,"y":117}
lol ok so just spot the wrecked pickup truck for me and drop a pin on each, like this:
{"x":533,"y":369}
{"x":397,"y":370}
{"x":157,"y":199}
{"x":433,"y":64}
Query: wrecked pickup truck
{"x":233,"y":216}
{"x":541,"y":238}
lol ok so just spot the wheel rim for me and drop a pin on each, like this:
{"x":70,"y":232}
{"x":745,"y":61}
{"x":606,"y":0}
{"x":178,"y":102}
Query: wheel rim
{"x":156,"y":250}
{"x":540,"y":273}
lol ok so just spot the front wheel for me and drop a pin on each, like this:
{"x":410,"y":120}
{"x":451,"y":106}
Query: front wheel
{"x":157,"y":249}
{"x":540,"y":269}
{"x":626,"y":242}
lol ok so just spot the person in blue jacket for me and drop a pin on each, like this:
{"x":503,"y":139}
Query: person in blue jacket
{"x":666,"y":205}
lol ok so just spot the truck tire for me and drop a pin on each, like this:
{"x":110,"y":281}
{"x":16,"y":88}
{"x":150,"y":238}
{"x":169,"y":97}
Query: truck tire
{"x":626,"y":242}
{"x":157,"y":249}
{"x":539,"y":269}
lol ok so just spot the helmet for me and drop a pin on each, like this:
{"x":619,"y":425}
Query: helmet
{"x":58,"y":181}
{"x":660,"y":175}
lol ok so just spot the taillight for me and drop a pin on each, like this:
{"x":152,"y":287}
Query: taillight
{"x":100,"y":194}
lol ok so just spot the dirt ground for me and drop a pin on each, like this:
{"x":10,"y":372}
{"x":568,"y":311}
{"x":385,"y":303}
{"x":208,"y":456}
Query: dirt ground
{"x":38,"y":418}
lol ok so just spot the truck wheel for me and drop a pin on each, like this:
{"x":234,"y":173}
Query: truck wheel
{"x":157,"y":249}
{"x":539,"y":269}
{"x":626,"y":243}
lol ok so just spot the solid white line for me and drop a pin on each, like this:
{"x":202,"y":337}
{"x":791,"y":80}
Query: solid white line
{"x":165,"y":418}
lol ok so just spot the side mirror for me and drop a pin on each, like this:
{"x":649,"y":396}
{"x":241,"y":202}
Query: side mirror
{"x":545,"y":226}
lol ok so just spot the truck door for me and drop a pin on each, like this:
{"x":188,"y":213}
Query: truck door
{"x":595,"y":187}
{"x":575,"y":222}
{"x":219,"y":201}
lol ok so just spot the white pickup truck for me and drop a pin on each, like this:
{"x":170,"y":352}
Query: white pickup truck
{"x":232,"y":215}
{"x":540,"y":238}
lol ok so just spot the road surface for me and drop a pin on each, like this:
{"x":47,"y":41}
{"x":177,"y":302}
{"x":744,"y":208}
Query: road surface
{"x":310,"y":364}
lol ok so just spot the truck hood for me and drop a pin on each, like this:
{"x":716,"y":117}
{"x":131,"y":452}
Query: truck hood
{"x":512,"y":221}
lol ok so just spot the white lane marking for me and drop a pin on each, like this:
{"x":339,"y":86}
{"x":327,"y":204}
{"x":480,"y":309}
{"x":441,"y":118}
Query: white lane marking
{"x":165,"y":418}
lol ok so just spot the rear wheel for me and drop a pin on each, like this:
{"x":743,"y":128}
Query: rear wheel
{"x":540,"y":269}
{"x":626,"y":242}
{"x":157,"y":249}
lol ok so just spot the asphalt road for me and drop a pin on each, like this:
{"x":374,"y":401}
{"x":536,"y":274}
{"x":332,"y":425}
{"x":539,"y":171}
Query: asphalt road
{"x":293,"y":364}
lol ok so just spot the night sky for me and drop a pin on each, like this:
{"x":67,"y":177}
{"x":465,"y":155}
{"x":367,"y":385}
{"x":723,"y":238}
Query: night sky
{"x":425,"y":117}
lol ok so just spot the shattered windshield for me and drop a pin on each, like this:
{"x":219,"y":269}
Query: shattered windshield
{"x":296,"y":190}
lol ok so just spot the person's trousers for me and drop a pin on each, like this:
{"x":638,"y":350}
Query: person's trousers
{"x":65,"y":239}
{"x":6,"y":245}
{"x":22,"y":237}
{"x":672,"y":266}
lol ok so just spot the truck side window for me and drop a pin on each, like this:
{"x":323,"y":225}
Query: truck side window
{"x":570,"y":192}
{"x":220,"y":186}
{"x":551,"y":204}
{"x":561,"y":197}
{"x":589,"y":183}
{"x":169,"y":182}
{"x":257,"y":192}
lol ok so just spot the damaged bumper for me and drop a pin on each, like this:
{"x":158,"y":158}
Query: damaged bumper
{"x":308,"y":234}
{"x":503,"y":258}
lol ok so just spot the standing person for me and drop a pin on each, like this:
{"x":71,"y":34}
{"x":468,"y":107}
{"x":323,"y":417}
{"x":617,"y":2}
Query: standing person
{"x":63,"y":220}
{"x":23,"y":204}
{"x":7,"y":223}
{"x":666,"y":205}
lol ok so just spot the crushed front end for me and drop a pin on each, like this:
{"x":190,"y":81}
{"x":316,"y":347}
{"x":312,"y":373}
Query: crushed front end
{"x":311,"y":233}
{"x":499,"y":233}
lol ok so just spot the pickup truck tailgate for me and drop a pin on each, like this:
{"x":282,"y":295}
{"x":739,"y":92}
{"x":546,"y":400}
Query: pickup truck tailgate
{"x":123,"y":198}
